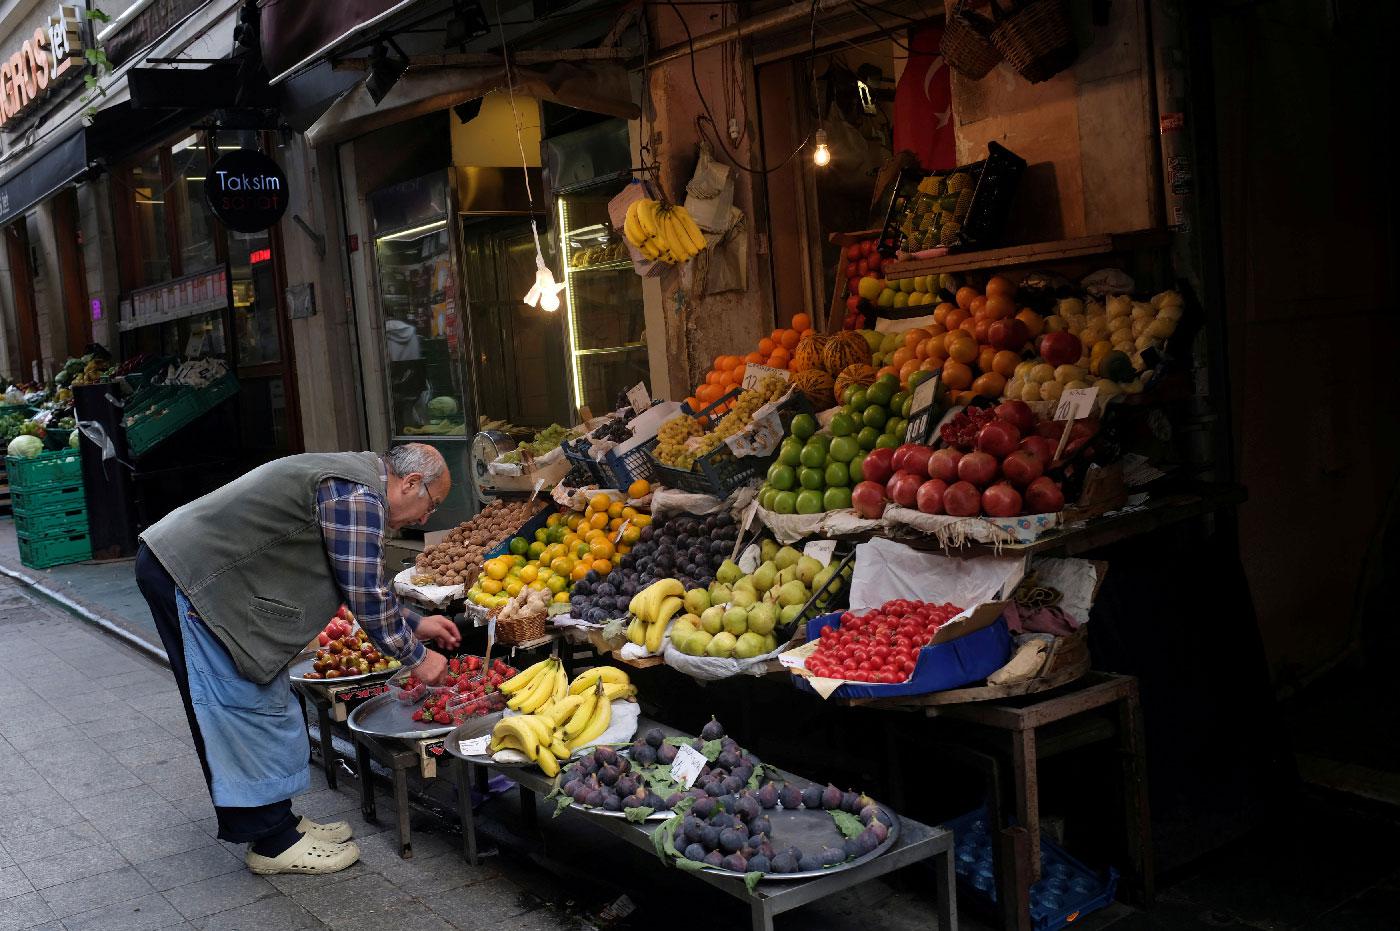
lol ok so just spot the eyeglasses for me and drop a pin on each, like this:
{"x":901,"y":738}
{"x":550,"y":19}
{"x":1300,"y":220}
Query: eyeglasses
{"x":433,"y":503}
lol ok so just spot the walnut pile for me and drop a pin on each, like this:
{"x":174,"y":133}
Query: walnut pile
{"x":457,"y":559}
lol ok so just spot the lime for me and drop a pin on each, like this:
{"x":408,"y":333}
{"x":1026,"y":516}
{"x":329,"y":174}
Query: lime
{"x":536,"y":550}
{"x":809,"y":502}
{"x":858,"y":400}
{"x":888,"y":441}
{"x":888,"y":379}
{"x":785,"y":502}
{"x":898,"y":401}
{"x":897,"y":426}
{"x":875,"y":417}
{"x":782,"y":477}
{"x":837,"y":475}
{"x":790,"y":453}
{"x":814,"y":456}
{"x":856,"y":468}
{"x":803,"y":426}
{"x":822,"y":440}
{"x":843,"y":425}
{"x":880,"y":393}
{"x":519,"y":546}
{"x":836,"y":499}
{"x":906,"y":408}
{"x":811,"y":479}
{"x":843,"y":449}
{"x":917,"y":378}
{"x":849,"y":393}
{"x":867,"y":438}
{"x":542,"y":535}
{"x":765,"y":497}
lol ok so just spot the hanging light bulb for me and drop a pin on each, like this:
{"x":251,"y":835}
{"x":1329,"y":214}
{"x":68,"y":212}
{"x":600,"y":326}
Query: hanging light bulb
{"x":544,"y":293}
{"x":822,"y":156}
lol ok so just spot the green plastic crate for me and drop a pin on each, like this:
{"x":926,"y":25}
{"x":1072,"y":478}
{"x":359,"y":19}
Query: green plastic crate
{"x":44,"y":498}
{"x":169,"y":410}
{"x":41,"y":552}
{"x":52,"y":523}
{"x":60,"y":467}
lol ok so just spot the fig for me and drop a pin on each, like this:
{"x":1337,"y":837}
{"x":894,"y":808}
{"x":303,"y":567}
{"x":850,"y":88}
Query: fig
{"x":665,"y":754}
{"x":714,"y":788}
{"x":594,"y":799}
{"x":732,"y":784}
{"x":880,"y":831}
{"x":672,"y":800}
{"x":809,"y":864}
{"x":727,"y":760}
{"x":784,"y":863}
{"x":830,"y":856}
{"x":712,"y":731}
{"x":867,"y":841}
{"x":709,"y":836}
{"x":790,"y":796}
{"x":644,"y":755}
{"x":735,"y":863}
{"x":714,"y":858}
{"x":731,"y":839}
{"x":848,"y":802}
{"x":605,"y":756}
{"x":831,"y":797}
{"x":758,"y":863}
{"x":761,"y":825}
{"x":611,"y":803}
{"x":812,"y":797}
{"x":768,"y":796}
{"x":655,"y":738}
{"x":851,"y":848}
{"x":608,"y":775}
{"x":695,"y":852}
{"x":747,"y":807}
{"x":703,"y":807}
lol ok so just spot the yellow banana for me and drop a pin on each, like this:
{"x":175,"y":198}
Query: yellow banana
{"x":650,"y":251}
{"x":669,"y":606}
{"x":617,"y":690}
{"x":576,"y":724}
{"x":691,"y":229}
{"x":602,"y":717}
{"x":533,"y":699}
{"x":517,"y":735}
{"x":609,"y":674}
{"x":680,"y":235}
{"x":521,"y":679}
{"x":543,"y":730}
{"x":647,"y":214}
{"x":560,"y":711}
{"x":656,"y":634}
{"x":528,"y":693}
{"x":632,"y":227}
{"x":636,"y":631}
{"x":509,"y":742}
{"x":559,"y":748}
{"x":561,"y":684}
{"x":548,"y":764}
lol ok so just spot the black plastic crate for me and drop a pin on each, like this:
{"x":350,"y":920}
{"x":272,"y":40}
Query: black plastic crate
{"x":980,"y":205}
{"x":579,"y":457}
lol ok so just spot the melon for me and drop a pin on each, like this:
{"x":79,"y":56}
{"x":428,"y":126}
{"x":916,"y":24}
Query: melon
{"x":818,"y":385}
{"x":844,"y":350}
{"x":808,"y":354}
{"x":859,"y":374}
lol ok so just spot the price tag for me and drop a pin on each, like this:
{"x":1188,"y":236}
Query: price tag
{"x":639,"y":397}
{"x":922,"y":401}
{"x":754,"y":374}
{"x":820,"y":550}
{"x":792,"y":661}
{"x":1076,"y":403}
{"x":760,"y":439}
{"x":687,"y":765}
{"x":749,"y":513}
{"x":539,"y":486}
{"x":748,"y":560}
{"x":621,"y":530}
{"x":491,"y":630}
{"x":475,"y":747}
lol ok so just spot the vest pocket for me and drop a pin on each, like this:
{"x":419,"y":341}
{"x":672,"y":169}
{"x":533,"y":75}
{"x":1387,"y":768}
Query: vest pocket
{"x":270,"y":608}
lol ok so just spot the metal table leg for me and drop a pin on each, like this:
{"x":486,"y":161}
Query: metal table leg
{"x":760,"y":917}
{"x":464,"y":774}
{"x":401,"y":808}
{"x":362,"y":763}
{"x":529,"y":810}
{"x":328,"y":754}
{"x":944,"y":881}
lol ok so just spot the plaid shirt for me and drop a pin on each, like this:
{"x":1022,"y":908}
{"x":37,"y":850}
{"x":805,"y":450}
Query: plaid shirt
{"x":353,"y":518}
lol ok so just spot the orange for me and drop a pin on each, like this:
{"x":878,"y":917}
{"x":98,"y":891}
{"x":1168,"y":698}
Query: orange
{"x":1033,"y":321}
{"x":922,"y":351}
{"x":955,"y":319}
{"x":969,"y":326}
{"x":956,"y":375}
{"x":997,"y":286}
{"x":736,"y":376}
{"x":629,"y":536}
{"x":779,"y":359}
{"x":912,"y":338}
{"x":1004,"y":363}
{"x":553,"y":520}
{"x":908,"y":369}
{"x":931,"y":365}
{"x":937,"y":349}
{"x":602,"y":567}
{"x":990,"y":385}
{"x":706,"y":395}
{"x":575,"y":520}
{"x":754,"y":357}
{"x":766,"y":346}
{"x":599,"y":502}
{"x":790,"y":339}
{"x":901,"y":356}
{"x":961,"y":348}
{"x":801,"y":322}
{"x":638,"y":489}
{"x":562,"y":565}
{"x":985,"y":356}
{"x":601,"y":549}
{"x":615,"y":509}
{"x":965,"y":295}
{"x":580,"y":570}
{"x":693,"y":403}
{"x":978,"y":306}
{"x":599,"y":520}
{"x":941,"y":312}
{"x":999,"y":307}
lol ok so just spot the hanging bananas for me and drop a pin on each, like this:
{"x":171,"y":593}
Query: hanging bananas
{"x":662,"y":232}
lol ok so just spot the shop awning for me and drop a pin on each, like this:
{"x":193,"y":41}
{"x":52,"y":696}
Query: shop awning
{"x":296,"y":33}
{"x":598,"y":87}
{"x":42,"y":174}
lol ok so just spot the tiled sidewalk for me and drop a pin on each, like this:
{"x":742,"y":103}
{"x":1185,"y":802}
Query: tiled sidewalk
{"x":105,"y":823}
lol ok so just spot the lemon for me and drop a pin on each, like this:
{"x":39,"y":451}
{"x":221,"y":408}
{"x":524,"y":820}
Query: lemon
{"x":870,"y":288}
{"x":491,"y":586}
{"x":513,"y":587}
{"x":528,"y":574}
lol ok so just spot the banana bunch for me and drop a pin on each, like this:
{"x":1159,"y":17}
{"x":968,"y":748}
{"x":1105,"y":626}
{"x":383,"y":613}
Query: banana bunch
{"x":652,"y":609}
{"x":552,"y":730}
{"x":662,"y":232}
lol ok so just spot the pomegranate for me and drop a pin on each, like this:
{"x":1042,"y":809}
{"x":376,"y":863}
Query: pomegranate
{"x":998,"y":438}
{"x":1022,"y":467}
{"x":868,"y":498}
{"x":878,"y":466}
{"x":912,"y":457}
{"x":1040,"y":448}
{"x":979,"y":468}
{"x":1001,"y":500}
{"x":1061,"y":348}
{"x":1018,"y":414}
{"x":962,"y":499}
{"x":1043,"y":496}
{"x":943,"y":463}
{"x":930,"y":497}
{"x":903,"y":488}
{"x":1008,"y":333}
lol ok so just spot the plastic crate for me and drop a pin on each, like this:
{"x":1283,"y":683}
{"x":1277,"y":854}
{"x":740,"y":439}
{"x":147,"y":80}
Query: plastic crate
{"x":631,"y":466}
{"x":981,"y":214}
{"x":45,"y":498}
{"x":60,"y":467}
{"x":527,"y":530}
{"x":1067,"y":891}
{"x":164,"y":420}
{"x":216,"y":392}
{"x":56,"y":438}
{"x":579,"y":457}
{"x":43,"y":551}
{"x":53,"y":523}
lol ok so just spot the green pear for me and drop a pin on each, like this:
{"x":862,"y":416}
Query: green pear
{"x":696,"y":644}
{"x":762,"y":618}
{"x":736,"y":621}
{"x":787,"y":575}
{"x":721,"y":645}
{"x":720,"y":594}
{"x":729,"y":572}
{"x":687,"y":625}
{"x":764,"y":576}
{"x":807,"y":569}
{"x":770,"y":643}
{"x":789,"y":613}
{"x":787,"y":556}
{"x":749,"y":646}
{"x":697,"y":600}
{"x":768,"y":550}
{"x":712,"y":621}
{"x":744,"y":597}
{"x":793,"y":593}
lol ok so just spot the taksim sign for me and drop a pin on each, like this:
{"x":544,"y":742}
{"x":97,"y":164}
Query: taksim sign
{"x":246,"y":190}
{"x":46,"y":57}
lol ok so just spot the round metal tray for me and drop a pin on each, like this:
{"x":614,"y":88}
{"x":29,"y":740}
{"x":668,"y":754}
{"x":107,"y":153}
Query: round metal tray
{"x":805,"y":830}
{"x":303,"y":664}
{"x":477,"y":727}
{"x":386,"y":716}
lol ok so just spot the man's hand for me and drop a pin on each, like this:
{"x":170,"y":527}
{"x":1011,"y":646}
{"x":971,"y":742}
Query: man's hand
{"x":440,"y":630}
{"x":431,"y":670}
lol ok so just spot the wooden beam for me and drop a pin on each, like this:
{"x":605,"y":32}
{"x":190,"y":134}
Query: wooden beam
{"x":487,"y":59}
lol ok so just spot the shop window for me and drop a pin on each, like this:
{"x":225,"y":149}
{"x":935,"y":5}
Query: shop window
{"x":146,"y":198}
{"x":194,"y":221}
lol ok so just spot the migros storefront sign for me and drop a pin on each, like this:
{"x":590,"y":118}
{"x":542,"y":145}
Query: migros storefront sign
{"x":49,"y":56}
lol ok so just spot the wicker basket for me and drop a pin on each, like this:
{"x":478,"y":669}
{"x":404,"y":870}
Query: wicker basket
{"x":966,"y":44}
{"x":1035,"y":38}
{"x":520,"y":629}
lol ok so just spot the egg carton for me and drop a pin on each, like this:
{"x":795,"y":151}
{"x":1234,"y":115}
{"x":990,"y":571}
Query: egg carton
{"x":1067,"y":890}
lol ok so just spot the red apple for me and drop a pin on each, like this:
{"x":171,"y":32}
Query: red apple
{"x":1041,"y":448}
{"x":853,"y":303}
{"x":323,"y":638}
{"x":979,"y":468}
{"x":1022,"y":467}
{"x":1043,"y":496}
{"x":863,"y":268}
{"x":1018,"y":414}
{"x":930,"y":497}
{"x":1061,"y":348}
{"x":878,"y":466}
{"x":962,"y":499}
{"x":998,"y":438}
{"x":943,"y":464}
{"x":1001,"y":500}
{"x":853,"y":253}
{"x":868,"y":498}
{"x":903,"y":488}
{"x":867,"y":247}
{"x":876,"y":263}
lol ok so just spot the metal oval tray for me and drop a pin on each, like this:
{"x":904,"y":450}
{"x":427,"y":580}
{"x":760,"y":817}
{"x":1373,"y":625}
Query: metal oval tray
{"x":474,"y":728}
{"x":804,"y":821}
{"x":386,"y":716}
{"x":303,"y":664}
{"x":604,"y":813}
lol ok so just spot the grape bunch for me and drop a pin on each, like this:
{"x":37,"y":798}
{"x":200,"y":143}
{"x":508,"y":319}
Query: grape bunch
{"x":674,"y":448}
{"x":615,"y":430}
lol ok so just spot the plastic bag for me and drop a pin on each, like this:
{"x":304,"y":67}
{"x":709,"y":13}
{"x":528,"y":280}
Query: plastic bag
{"x":710,"y":193}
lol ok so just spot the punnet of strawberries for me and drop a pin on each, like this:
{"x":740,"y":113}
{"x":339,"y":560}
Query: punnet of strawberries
{"x":469,"y":690}
{"x":879,"y":646}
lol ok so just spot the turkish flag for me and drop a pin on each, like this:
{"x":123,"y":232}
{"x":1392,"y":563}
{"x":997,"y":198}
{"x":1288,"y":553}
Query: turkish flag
{"x":923,"y":104}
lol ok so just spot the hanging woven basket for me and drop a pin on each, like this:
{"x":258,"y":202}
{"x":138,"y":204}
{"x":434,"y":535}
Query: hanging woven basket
{"x":1034,"y":37}
{"x":966,"y":43}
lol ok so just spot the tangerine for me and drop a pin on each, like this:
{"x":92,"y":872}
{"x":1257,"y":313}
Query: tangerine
{"x":990,"y":385}
{"x":962,"y":348}
{"x":1033,"y":321}
{"x":986,"y":355}
{"x":600,"y":502}
{"x":1000,"y":307}
{"x":965,"y":295}
{"x":941,"y":312}
{"x":997,"y":286}
{"x":601,"y":549}
{"x":789,"y":339}
{"x":956,"y":375}
{"x":914,"y":337}
{"x":1004,"y":363}
{"x":801,"y":322}
{"x":766,"y":346}
{"x":638,"y":489}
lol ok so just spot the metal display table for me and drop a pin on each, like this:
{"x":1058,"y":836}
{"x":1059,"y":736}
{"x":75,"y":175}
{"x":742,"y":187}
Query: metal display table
{"x":333,"y":703}
{"x":917,"y":842}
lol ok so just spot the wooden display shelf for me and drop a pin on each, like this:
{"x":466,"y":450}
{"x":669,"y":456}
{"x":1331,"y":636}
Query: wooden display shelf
{"x":1031,"y":254}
